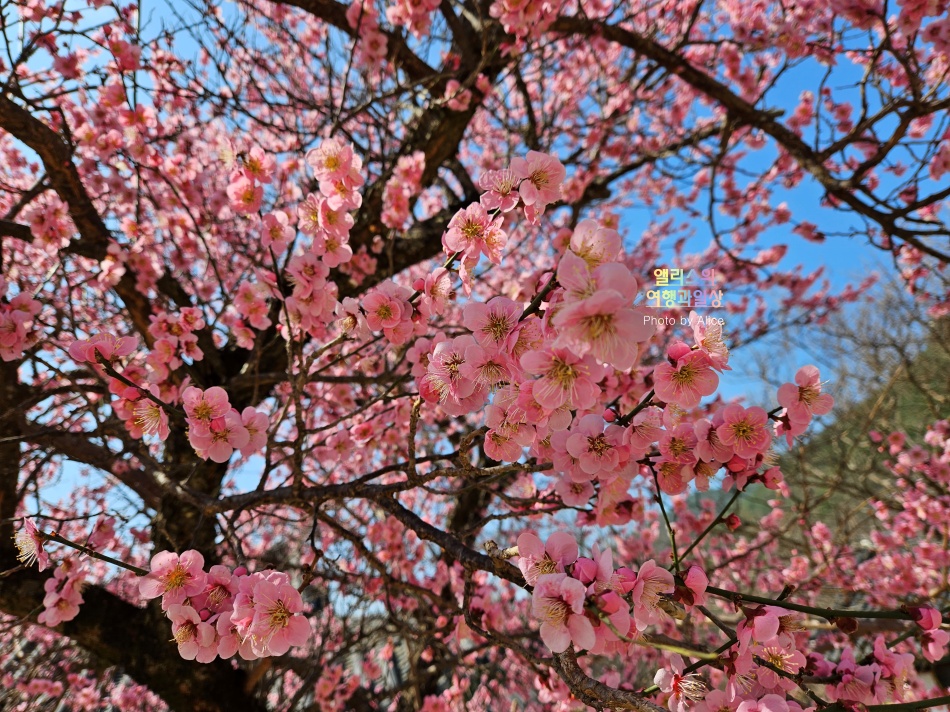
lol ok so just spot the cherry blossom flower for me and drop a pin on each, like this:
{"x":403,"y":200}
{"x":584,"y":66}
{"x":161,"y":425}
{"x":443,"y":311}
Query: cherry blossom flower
{"x":685,"y":378}
{"x":225,"y":435}
{"x":150,"y":417}
{"x":110,"y":347}
{"x":684,"y":689}
{"x":536,"y":559}
{"x":745,"y":430}
{"x":803,"y":400}
{"x":594,"y":243}
{"x":603,"y":326}
{"x":500,"y":193}
{"x":203,"y":407}
{"x":277,"y":623}
{"x":29,"y":543}
{"x":558,"y":601}
{"x":493,"y":322}
{"x":541,"y":176}
{"x":652,"y":582}
{"x":196,"y":639}
{"x":564,"y":378}
{"x":174,"y":577}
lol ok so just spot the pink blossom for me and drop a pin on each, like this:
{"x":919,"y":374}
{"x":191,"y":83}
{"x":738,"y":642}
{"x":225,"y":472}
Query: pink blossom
{"x":492,"y":323}
{"x":245,"y":194}
{"x":331,"y":159}
{"x":558,"y":601}
{"x":225,"y":435}
{"x":603,"y":326}
{"x":174,"y":578}
{"x":652,"y":583}
{"x":594,"y":243}
{"x":196,"y":639}
{"x":934,"y":644}
{"x":745,"y":430}
{"x":536,"y":559}
{"x":684,"y":689}
{"x":277,"y":623}
{"x":708,"y":337}
{"x":108,"y":346}
{"x":29,"y":543}
{"x":499,"y":187}
{"x":564,"y":378}
{"x":595,"y":449}
{"x":685,"y":378}
{"x":541,"y":176}
{"x":804,"y":399}
{"x":256,"y":424}
{"x":150,"y":417}
{"x":203,"y":407}
{"x":768,"y":703}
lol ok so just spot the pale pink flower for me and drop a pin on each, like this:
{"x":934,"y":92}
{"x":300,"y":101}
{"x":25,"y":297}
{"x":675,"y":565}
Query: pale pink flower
{"x":594,"y":243}
{"x":493,"y":322}
{"x":536,"y":559}
{"x":277,"y":623}
{"x":225,"y":435}
{"x":580,"y":281}
{"x":934,"y":644}
{"x":196,"y":639}
{"x":29,"y":544}
{"x":436,"y":291}
{"x":499,"y":187}
{"x":745,"y":430}
{"x":804,"y":399}
{"x":595,"y":450}
{"x":558,"y":601}
{"x":150,"y":417}
{"x":684,"y":689}
{"x":652,"y":583}
{"x":709,"y":447}
{"x":604,"y":327}
{"x":708,"y":336}
{"x":256,"y":424}
{"x":277,"y":231}
{"x":385,"y":307}
{"x":768,"y":703}
{"x":330,"y":160}
{"x":685,"y":378}
{"x":174,"y":578}
{"x":541,"y":176}
{"x":573,"y":494}
{"x":202,"y":407}
{"x":245,"y":195}
{"x":108,"y":346}
{"x":472,"y":230}
{"x":564,"y":378}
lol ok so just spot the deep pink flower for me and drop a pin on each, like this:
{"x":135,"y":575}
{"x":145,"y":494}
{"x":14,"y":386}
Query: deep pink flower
{"x":558,"y":601}
{"x":196,"y":639}
{"x":745,"y":430}
{"x":565,"y":378}
{"x":686,"y":380}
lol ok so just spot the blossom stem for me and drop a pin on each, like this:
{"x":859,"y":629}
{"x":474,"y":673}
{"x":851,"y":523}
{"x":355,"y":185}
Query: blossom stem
{"x":826,"y":613}
{"x":625,"y":420}
{"x":713,"y":523}
{"x":535,"y":304}
{"x":669,"y":526}
{"x":94,"y":554}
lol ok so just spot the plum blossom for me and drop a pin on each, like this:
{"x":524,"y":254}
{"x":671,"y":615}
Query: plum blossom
{"x":803,"y":400}
{"x":684,"y":688}
{"x":745,"y":430}
{"x":174,"y":577}
{"x":541,"y":176}
{"x":685,"y":378}
{"x":558,"y":601}
{"x":536,"y":559}
{"x":652,"y":582}
{"x":29,"y":543}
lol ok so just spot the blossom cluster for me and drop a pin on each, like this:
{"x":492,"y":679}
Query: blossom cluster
{"x":216,"y":430}
{"x":590,"y":604}
{"x":17,"y":318}
{"x":222,"y":611}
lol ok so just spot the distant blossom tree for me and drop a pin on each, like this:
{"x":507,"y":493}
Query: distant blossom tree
{"x":330,"y":376}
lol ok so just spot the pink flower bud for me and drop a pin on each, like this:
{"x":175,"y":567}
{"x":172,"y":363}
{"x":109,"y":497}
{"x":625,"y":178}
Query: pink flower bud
{"x":733,"y":522}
